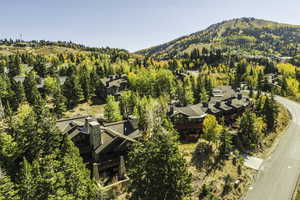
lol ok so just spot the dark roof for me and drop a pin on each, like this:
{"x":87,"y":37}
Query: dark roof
{"x":191,"y":111}
{"x":222,"y":93}
{"x":112,"y":134}
{"x":114,"y":80}
{"x":66,"y":123}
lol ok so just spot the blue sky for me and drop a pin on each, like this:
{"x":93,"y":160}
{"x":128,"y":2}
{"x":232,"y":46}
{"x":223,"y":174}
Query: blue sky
{"x":130,"y":24}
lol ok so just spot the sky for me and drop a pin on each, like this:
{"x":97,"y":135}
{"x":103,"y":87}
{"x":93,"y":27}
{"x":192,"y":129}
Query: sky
{"x":130,"y":24}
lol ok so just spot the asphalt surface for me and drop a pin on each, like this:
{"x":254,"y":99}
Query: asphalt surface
{"x":279,"y":175}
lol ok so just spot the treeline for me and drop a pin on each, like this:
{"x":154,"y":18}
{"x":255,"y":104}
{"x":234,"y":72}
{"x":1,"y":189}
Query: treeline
{"x":67,"y":44}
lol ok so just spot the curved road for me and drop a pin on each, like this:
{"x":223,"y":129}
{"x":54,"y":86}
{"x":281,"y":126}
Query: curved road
{"x":278,"y":177}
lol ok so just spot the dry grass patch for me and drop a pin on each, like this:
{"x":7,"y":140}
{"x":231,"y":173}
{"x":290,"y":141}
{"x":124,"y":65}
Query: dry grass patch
{"x":85,"y":109}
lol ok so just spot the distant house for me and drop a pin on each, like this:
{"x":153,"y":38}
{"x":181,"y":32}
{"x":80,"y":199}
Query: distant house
{"x":225,"y":103}
{"x":113,"y":85}
{"x":102,"y":145}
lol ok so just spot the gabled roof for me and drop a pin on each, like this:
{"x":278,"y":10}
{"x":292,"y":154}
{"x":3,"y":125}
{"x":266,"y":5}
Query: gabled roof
{"x":114,"y":134}
{"x":67,"y":123}
{"x":191,"y":111}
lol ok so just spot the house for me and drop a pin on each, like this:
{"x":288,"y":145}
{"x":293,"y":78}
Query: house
{"x":113,"y":85}
{"x":102,"y":145}
{"x":225,"y":103}
{"x":188,"y":119}
{"x":222,"y":93}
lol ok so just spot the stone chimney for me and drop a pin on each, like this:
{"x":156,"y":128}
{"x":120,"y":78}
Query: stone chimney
{"x":93,"y":129}
{"x":96,"y":175}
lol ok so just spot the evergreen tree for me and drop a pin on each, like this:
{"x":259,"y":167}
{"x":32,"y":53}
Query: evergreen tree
{"x":40,"y":66}
{"x":85,"y":82}
{"x":19,"y":95}
{"x":270,"y":112}
{"x":226,"y":142}
{"x":72,"y":91}
{"x":158,"y":170}
{"x":14,"y":64}
{"x":8,"y":190}
{"x":27,"y":184}
{"x":33,"y":95}
{"x":59,"y":104}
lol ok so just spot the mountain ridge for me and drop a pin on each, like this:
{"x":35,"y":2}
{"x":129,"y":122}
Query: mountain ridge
{"x":232,"y":33}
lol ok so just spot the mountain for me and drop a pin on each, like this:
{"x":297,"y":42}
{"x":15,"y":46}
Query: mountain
{"x":243,"y":35}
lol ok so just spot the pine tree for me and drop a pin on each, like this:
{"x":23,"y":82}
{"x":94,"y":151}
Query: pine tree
{"x":33,"y":95}
{"x":226,"y":142}
{"x":188,"y":92}
{"x":14,"y":64}
{"x":270,"y":112}
{"x":27,"y":190}
{"x":8,"y":190}
{"x":158,"y":170}
{"x":59,"y":102}
{"x":19,"y":97}
{"x":72,"y":91}
{"x":85,"y":82}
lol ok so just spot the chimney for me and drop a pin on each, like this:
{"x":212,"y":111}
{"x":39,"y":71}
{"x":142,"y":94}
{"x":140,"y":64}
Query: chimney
{"x":96,"y":175}
{"x":95,"y":134}
{"x":229,"y":101}
{"x":107,"y":84}
{"x":240,"y":96}
{"x":218,"y":104}
{"x":122,"y":168}
{"x":86,"y":123}
{"x":172,"y":109}
{"x":205,"y":104}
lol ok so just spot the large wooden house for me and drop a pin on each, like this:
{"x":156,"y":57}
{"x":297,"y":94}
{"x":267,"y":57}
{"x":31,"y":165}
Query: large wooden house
{"x":113,"y":85}
{"x":102,"y":145}
{"x":225,"y":103}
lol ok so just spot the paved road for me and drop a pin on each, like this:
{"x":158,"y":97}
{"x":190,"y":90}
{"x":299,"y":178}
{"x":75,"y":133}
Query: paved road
{"x":280,"y":171}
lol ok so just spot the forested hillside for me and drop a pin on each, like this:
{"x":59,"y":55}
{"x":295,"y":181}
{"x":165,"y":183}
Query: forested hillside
{"x":239,"y":36}
{"x":41,"y":80}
